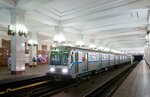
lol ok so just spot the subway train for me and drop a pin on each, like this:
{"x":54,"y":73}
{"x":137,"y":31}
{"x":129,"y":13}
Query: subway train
{"x":73,"y":62}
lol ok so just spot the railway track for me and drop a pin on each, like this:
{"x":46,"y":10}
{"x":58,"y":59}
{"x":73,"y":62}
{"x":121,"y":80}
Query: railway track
{"x":104,"y":87}
{"x":46,"y":87}
{"x":20,"y":86}
{"x":36,"y":87}
{"x":108,"y":88}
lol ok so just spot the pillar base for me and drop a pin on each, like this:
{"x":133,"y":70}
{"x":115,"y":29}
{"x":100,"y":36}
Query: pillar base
{"x":17,"y":72}
{"x":26,"y":64}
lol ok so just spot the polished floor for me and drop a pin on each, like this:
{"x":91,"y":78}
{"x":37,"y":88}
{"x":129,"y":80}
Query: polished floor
{"x":38,"y":70}
{"x":137,"y":83}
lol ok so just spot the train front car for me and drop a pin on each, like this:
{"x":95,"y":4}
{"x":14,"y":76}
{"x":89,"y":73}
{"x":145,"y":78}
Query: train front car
{"x":59,"y":63}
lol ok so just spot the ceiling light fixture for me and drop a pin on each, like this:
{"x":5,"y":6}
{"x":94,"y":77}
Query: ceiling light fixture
{"x":80,"y":43}
{"x":92,"y":46}
{"x":32,"y":42}
{"x":59,"y":38}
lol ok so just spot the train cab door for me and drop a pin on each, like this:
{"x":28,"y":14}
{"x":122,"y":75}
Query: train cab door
{"x":76,"y":62}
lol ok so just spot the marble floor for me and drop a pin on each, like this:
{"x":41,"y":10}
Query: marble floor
{"x":38,"y":70}
{"x":137,"y":83}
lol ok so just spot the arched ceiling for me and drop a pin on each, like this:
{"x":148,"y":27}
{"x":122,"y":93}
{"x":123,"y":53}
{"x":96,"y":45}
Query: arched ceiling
{"x":120,"y":22}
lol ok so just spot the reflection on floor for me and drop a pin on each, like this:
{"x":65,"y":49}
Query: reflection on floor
{"x":39,"y":69}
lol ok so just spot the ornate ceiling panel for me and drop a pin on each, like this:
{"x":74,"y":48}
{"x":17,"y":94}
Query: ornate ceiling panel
{"x":122,"y":22}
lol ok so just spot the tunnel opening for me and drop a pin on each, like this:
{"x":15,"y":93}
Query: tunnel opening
{"x":138,"y":57}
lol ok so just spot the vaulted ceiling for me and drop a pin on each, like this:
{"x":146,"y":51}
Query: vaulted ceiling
{"x":119,"y":22}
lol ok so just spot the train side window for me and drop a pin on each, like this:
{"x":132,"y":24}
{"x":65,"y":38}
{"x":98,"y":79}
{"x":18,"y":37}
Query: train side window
{"x":76,"y":56}
{"x":71,"y":59}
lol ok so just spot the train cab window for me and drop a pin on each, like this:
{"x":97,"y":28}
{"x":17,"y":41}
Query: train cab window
{"x":76,"y":56}
{"x":56,"y":58}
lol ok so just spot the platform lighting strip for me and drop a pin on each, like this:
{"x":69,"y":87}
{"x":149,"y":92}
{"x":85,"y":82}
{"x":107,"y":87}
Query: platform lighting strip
{"x":23,"y":87}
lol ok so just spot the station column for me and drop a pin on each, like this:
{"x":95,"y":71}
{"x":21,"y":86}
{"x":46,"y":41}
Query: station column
{"x":0,"y":42}
{"x":18,"y":41}
{"x":32,"y":48}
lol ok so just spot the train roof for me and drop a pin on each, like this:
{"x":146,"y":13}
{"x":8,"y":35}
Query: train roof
{"x":70,"y":48}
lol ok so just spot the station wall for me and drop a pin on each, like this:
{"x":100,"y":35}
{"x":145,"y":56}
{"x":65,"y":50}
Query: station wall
{"x":147,"y":54}
{"x":4,"y":52}
{"x":5,"y":49}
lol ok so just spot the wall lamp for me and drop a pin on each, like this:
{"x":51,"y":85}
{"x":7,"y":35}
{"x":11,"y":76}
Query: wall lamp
{"x":10,"y":32}
{"x":22,"y":32}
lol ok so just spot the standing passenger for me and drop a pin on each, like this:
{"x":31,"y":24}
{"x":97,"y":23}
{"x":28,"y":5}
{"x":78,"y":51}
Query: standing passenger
{"x":34,"y":61}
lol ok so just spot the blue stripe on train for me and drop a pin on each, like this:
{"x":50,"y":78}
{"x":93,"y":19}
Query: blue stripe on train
{"x":74,"y":63}
{"x":82,"y":62}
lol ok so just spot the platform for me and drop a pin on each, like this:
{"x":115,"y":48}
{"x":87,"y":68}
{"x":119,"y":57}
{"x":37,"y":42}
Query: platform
{"x":29,"y":71}
{"x":137,"y":83}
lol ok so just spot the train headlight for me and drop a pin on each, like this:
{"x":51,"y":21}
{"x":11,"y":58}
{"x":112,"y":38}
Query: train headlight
{"x":52,"y":69}
{"x":65,"y":70}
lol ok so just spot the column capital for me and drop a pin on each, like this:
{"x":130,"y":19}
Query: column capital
{"x":18,"y":11}
{"x":18,"y":22}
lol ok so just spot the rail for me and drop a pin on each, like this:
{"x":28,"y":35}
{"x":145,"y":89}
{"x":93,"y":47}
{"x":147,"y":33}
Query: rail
{"x":43,"y":86}
{"x":110,"y":86}
{"x":17,"y":87}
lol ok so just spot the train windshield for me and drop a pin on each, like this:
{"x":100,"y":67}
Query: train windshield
{"x":59,"y":58}
{"x":55,"y":58}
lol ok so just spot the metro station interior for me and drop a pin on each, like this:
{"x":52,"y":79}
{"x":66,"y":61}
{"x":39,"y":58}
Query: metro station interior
{"x":74,"y":48}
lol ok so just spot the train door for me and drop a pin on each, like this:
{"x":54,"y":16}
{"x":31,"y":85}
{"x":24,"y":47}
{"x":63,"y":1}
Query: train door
{"x":100,"y":60}
{"x":103,"y":59}
{"x":118,"y":56}
{"x":115,"y":58}
{"x":108,"y":59}
{"x":84,"y":61}
{"x":110,"y":55}
{"x":86,"y":57}
{"x":76,"y":62}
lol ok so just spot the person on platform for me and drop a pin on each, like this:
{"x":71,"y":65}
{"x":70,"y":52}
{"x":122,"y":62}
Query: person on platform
{"x":9,"y":63}
{"x":34,"y":61}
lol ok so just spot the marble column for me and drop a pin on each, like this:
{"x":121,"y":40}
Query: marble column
{"x":17,"y":42}
{"x":148,"y":53}
{"x":39,"y":46}
{"x":0,"y":42}
{"x":48,"y":47}
{"x":33,"y":48}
